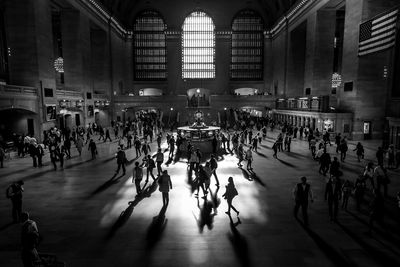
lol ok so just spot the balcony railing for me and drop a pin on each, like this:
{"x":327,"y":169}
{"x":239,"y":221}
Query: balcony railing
{"x":22,"y":90}
{"x":66,"y":94}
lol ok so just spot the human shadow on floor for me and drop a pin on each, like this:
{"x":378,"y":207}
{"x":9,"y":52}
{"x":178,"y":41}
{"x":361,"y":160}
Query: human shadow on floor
{"x":216,"y":201}
{"x":255,"y":177}
{"x":261,"y":154}
{"x":287,"y":163}
{"x":206,"y":216}
{"x":67,"y":166}
{"x":246,"y":175}
{"x":192,"y":182}
{"x":378,"y":255}
{"x":333,"y":255}
{"x":239,"y":243}
{"x":4,"y":227}
{"x":156,"y":228}
{"x":126,"y":214}
{"x":114,"y":180}
{"x":389,"y":234}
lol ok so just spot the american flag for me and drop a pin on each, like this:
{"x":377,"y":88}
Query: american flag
{"x":378,"y":34}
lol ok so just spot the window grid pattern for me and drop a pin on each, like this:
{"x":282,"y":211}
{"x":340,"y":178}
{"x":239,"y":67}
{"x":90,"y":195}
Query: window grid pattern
{"x":150,"y":55}
{"x":247,"y":47}
{"x":198,"y":47}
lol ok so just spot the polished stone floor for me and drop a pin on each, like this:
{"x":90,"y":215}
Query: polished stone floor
{"x":89,"y":218}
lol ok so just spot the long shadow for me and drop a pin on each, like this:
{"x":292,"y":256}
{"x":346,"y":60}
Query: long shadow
{"x":156,"y":228}
{"x":246,"y":175}
{"x":379,"y":256}
{"x":69,"y":166}
{"x":392,"y":237}
{"x":239,"y":244}
{"x":114,"y":180}
{"x":261,"y":154}
{"x":334,"y":256}
{"x":206,"y":216}
{"x":126,"y":214}
{"x":4,"y":227}
{"x":255,"y":177}
{"x":287,"y":163}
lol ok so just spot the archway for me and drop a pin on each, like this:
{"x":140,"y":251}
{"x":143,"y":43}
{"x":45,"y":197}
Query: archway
{"x":17,"y":121}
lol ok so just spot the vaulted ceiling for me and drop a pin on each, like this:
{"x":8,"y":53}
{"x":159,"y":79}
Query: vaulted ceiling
{"x":126,"y":10}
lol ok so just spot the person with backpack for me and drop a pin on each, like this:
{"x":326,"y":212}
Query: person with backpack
{"x":137,"y":177}
{"x":14,"y":193}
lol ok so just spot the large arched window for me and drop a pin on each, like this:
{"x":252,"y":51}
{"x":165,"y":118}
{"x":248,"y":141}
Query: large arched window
{"x":150,"y":59}
{"x":247,"y":46}
{"x":198,"y":47}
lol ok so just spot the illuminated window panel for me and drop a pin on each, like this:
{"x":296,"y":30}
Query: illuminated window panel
{"x":247,"y":50}
{"x":198,"y":47}
{"x":150,"y":56}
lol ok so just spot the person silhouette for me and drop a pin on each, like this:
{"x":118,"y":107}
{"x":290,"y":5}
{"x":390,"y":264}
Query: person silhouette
{"x":229,"y":194}
{"x":165,"y":185}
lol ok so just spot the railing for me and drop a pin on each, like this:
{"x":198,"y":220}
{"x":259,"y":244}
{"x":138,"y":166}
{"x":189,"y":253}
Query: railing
{"x":23,"y":90}
{"x":65,"y":93}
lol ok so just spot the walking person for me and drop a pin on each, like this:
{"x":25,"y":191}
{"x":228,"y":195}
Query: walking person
{"x":29,"y":241}
{"x":368,"y":174}
{"x":137,"y":177}
{"x":121,"y":161}
{"x":107,"y":135}
{"x":359,"y":151}
{"x":240,"y":153}
{"x":137,"y":144}
{"x":382,"y":179}
{"x":149,"y":163}
{"x":79,"y":145}
{"x":275,"y":149}
{"x":333,"y":193}
{"x":214,"y":167}
{"x":301,"y":194}
{"x":346,"y":193}
{"x":165,"y":185}
{"x":249,"y":158}
{"x":159,"y":160}
{"x":343,"y":149}
{"x":230,"y":193}
{"x":359,"y":191}
{"x":14,"y":193}
{"x":93,"y":148}
{"x":40,"y":154}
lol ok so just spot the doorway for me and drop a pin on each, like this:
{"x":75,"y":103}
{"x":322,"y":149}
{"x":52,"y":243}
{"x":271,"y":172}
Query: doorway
{"x":77,"y":120}
{"x":31,"y":127}
{"x":367,"y":130}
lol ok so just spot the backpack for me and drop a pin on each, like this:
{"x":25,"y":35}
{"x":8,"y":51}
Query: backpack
{"x":151,"y":163}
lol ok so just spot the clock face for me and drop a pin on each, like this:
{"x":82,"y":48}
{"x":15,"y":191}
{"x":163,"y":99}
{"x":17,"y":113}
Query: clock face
{"x":198,"y":115}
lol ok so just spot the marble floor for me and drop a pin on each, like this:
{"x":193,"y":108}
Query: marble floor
{"x":88,"y":217}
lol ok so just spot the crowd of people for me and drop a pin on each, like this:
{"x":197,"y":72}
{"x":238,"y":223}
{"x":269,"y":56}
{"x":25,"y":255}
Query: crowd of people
{"x":242,"y":140}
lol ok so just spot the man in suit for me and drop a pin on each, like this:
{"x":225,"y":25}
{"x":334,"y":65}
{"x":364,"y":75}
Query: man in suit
{"x":121,"y":161}
{"x":333,"y":194}
{"x":301,"y":193}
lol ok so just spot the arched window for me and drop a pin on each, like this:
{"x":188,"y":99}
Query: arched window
{"x":247,"y":46}
{"x":150,"y":56}
{"x":198,"y":47}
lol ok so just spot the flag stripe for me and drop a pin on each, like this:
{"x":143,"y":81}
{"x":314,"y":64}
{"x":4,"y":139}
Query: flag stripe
{"x":375,"y":50}
{"x":387,"y":15}
{"x":383,"y":41}
{"x":386,"y":34}
{"x":391,"y":20}
{"x":378,"y":34}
